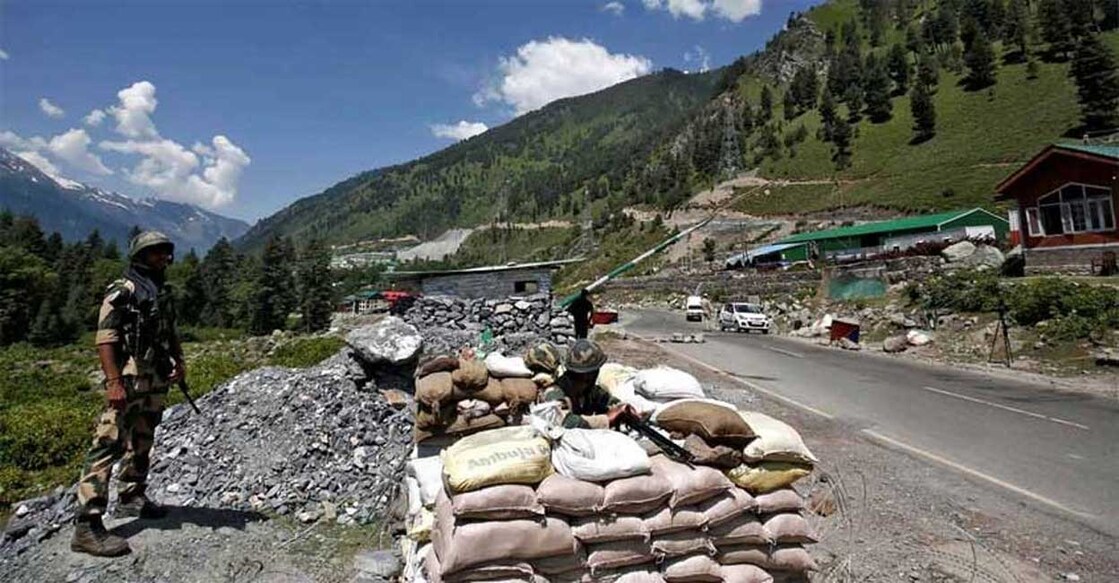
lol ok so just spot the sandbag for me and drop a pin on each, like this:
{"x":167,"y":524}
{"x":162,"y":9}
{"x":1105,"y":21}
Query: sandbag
{"x":792,"y":558}
{"x":507,"y":571}
{"x":471,"y":375}
{"x":666,"y":384}
{"x":543,"y":379}
{"x":636,"y":495}
{"x":668,"y":520}
{"x":682,"y":544}
{"x":436,"y":363}
{"x":493,"y":394}
{"x":418,"y":526}
{"x":766,"y":477}
{"x":611,"y":374}
{"x":570,"y":497}
{"x":435,"y":389}
{"x":790,"y":528}
{"x":776,"y":440}
{"x":412,"y":495}
{"x":694,"y":569}
{"x":434,"y":419}
{"x":610,"y":528}
{"x":598,"y":455}
{"x":689,"y":485}
{"x":719,"y":456}
{"x":716,"y":422}
{"x":503,"y":502}
{"x":428,"y":472}
{"x":616,"y":555}
{"x":461,"y":546}
{"x":519,"y":393}
{"x":727,"y":506}
{"x":461,"y":426}
{"x":783,"y":500}
{"x":744,"y":574}
{"x":574,"y":564}
{"x":744,"y":530}
{"x":510,"y":455}
{"x":640,"y":576}
{"x":502,"y":366}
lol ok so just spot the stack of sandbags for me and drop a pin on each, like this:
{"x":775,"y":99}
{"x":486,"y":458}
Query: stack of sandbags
{"x":619,"y":380}
{"x":457,"y":396}
{"x":663,"y":384}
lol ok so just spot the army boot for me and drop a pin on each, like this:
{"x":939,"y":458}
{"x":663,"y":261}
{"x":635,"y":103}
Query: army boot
{"x":138,"y":505}
{"x":90,"y":537}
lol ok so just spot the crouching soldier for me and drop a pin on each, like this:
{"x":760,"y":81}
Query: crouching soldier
{"x":141,"y":357}
{"x":584,"y":404}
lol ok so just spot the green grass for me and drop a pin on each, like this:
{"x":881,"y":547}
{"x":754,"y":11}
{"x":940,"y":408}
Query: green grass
{"x":494,"y":246}
{"x":615,"y":247}
{"x":981,"y":138}
{"x":304,"y":352}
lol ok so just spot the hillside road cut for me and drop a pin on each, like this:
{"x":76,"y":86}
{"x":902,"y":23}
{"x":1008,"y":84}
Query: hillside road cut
{"x":1052,"y":448}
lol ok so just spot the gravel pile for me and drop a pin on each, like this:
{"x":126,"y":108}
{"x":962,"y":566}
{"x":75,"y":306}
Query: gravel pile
{"x":515,"y":322}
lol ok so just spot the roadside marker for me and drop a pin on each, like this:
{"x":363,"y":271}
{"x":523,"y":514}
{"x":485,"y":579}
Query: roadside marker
{"x":1009,"y":408}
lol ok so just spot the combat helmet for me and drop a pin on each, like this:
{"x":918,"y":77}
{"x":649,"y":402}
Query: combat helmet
{"x":585,"y":356}
{"x":147,"y":240}
{"x":543,"y":357}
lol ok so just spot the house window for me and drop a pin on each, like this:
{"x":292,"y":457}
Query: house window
{"x":1075,"y":208}
{"x":526,"y":287}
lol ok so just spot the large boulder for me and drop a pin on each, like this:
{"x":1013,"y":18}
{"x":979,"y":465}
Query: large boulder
{"x":895,"y":344}
{"x":392,"y":341}
{"x":918,"y":337}
{"x":958,"y":251}
{"x":985,"y":257}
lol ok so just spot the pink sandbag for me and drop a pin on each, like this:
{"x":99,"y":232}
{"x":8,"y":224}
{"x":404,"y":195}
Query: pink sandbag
{"x":492,"y":573}
{"x":640,"y":577}
{"x":790,"y":528}
{"x":618,"y":554}
{"x":504,"y":502}
{"x":668,"y":520}
{"x":570,"y":497}
{"x":461,"y":546}
{"x":727,"y":506}
{"x":637,"y":495}
{"x":792,"y":558}
{"x":689,"y":485}
{"x":783,"y":500}
{"x":694,"y":569}
{"x":744,"y":530}
{"x":682,"y":544}
{"x":609,"y":528}
{"x":563,"y":567}
{"x":745,"y":574}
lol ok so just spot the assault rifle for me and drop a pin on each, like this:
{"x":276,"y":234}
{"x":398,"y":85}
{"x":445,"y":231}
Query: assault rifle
{"x":666,"y":445}
{"x":186,"y":393}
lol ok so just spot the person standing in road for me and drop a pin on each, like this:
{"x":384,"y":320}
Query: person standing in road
{"x":581,"y":310}
{"x":708,"y":314}
{"x":141,"y":356}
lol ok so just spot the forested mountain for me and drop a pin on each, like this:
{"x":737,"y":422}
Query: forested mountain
{"x":74,"y":209}
{"x":900,"y":104}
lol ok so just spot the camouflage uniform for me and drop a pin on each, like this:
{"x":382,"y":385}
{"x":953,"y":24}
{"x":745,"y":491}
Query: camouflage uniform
{"x":582,"y":409}
{"x":143,"y":328}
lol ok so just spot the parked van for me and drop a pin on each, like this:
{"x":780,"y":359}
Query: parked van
{"x":693,"y":308}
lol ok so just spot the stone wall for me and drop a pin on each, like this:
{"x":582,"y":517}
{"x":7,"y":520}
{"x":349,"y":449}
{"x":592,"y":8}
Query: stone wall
{"x":515,"y":322}
{"x":729,"y":284}
{"x":1068,"y":261}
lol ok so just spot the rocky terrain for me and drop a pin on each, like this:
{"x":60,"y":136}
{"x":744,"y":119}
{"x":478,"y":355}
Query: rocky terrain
{"x":514,"y":323}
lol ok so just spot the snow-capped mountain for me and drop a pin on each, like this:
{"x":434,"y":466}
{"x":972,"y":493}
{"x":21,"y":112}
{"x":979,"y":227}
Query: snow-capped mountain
{"x":75,"y":209}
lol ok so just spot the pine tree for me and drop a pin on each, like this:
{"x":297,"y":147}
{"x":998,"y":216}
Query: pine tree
{"x":878,"y":106}
{"x":913,"y":41}
{"x":190,"y":288}
{"x":766,"y":112}
{"x":135,"y":230}
{"x":924,"y":113}
{"x":854,"y":104}
{"x":218,"y":272}
{"x":1019,"y":26}
{"x":272,"y":299}
{"x":1110,"y":15}
{"x":898,"y":65}
{"x":841,"y":145}
{"x":789,"y":103}
{"x":928,"y":72}
{"x":1097,"y":84}
{"x":53,"y":248}
{"x":316,"y":296}
{"x":981,"y":64}
{"x":95,"y":244}
{"x":828,"y":116}
{"x":1056,"y":27}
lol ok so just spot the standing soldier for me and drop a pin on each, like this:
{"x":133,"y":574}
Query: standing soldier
{"x":581,"y":311}
{"x":141,"y":357}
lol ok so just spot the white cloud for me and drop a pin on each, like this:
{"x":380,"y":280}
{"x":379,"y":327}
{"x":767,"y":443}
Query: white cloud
{"x":171,"y":170}
{"x":94,"y":118}
{"x":133,"y":115}
{"x":14,"y":141}
{"x":4,"y":55}
{"x":39,"y":161}
{"x":50,"y":109}
{"x":700,"y":57}
{"x":544,"y":71}
{"x":697,"y":10}
{"x":615,"y":8}
{"x":459,"y":131}
{"x":73,"y":147}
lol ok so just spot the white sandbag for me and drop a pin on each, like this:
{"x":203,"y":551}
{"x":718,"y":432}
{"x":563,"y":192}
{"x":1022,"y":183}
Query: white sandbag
{"x":626,"y":392}
{"x":504,"y":367}
{"x":612,"y":374}
{"x":428,"y":472}
{"x":666,"y":384}
{"x":776,"y":440}
{"x":415,"y":499}
{"x":598,"y":455}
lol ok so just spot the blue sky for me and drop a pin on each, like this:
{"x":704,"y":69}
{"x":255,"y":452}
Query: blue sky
{"x":244,"y":106}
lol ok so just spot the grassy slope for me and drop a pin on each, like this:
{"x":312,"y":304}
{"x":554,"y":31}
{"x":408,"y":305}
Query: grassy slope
{"x":981,"y":138}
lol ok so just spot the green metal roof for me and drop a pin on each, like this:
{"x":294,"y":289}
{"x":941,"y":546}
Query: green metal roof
{"x":904,"y":224}
{"x":1105,"y":150}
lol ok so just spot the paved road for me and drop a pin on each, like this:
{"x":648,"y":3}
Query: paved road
{"x":1058,"y":449}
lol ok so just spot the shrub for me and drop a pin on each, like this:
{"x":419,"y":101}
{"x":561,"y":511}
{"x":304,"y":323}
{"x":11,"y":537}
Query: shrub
{"x":44,"y":434}
{"x":303,"y":352}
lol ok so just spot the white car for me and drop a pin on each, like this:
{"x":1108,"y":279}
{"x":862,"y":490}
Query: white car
{"x":693,"y":308}
{"x":743,"y":317}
